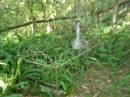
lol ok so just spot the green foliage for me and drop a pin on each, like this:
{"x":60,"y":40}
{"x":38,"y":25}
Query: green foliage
{"x":38,"y":65}
{"x":34,"y":59}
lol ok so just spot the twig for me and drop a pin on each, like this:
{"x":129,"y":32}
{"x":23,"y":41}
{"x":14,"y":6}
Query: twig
{"x":43,"y":82}
{"x":40,"y":64}
{"x":78,"y":55}
{"x":55,"y":46}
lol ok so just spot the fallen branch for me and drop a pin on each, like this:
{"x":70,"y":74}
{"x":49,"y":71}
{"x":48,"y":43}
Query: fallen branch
{"x":41,"y":64}
{"x":55,"y":46}
{"x":85,"y":52}
{"x":37,"y":21}
{"x":43,"y":82}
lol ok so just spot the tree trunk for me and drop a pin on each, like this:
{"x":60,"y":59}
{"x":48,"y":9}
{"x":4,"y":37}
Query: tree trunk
{"x":115,"y":13}
{"x":34,"y":25}
{"x":93,"y":12}
{"x":77,"y":8}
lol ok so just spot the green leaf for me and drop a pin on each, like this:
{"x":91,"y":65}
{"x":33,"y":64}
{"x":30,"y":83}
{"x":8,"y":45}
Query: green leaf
{"x":63,"y":85}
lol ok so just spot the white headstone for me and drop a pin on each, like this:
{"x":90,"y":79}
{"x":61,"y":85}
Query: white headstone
{"x":79,"y":42}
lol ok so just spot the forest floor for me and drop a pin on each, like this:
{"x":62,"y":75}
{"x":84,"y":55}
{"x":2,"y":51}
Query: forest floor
{"x":101,"y":83}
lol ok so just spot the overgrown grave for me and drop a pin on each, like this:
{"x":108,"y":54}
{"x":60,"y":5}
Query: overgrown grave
{"x":50,"y":63}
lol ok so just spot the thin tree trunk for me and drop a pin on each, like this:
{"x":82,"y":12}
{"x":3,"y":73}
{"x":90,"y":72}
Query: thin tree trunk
{"x":93,"y":13}
{"x":77,"y":8}
{"x":115,"y":13}
{"x":34,"y":25}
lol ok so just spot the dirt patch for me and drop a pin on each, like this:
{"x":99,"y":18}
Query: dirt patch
{"x":103,"y":83}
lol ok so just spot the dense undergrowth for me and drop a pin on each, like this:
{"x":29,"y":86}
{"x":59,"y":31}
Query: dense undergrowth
{"x":39,"y":65}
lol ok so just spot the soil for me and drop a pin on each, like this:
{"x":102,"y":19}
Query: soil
{"x":102,"y":83}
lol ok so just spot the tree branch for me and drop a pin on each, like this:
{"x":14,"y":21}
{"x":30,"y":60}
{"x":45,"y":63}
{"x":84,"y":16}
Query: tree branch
{"x":38,"y":21}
